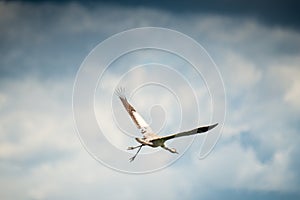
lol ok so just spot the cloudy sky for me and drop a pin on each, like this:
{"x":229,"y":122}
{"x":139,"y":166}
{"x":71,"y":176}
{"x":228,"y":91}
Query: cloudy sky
{"x":256,"y":48}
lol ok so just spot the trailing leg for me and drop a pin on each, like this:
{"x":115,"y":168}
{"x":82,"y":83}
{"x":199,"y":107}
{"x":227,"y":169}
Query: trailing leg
{"x":132,"y":158}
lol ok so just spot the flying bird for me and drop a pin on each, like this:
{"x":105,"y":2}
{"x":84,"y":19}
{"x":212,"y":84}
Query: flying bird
{"x":149,"y":137}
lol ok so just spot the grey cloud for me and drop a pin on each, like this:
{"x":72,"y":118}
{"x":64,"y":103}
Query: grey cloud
{"x":282,"y":13}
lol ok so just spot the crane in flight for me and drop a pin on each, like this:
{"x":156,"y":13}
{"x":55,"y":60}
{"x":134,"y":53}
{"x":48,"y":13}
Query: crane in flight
{"x":149,"y":138}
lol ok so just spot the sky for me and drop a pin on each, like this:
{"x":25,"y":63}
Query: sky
{"x":255,"y":48}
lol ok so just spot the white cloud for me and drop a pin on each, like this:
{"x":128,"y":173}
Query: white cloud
{"x":232,"y":166}
{"x":287,"y":74}
{"x":35,"y":119}
{"x":241,"y":74}
{"x":293,"y":95}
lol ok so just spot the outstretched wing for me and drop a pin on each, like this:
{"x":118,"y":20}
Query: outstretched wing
{"x":191,"y":132}
{"x":135,"y":116}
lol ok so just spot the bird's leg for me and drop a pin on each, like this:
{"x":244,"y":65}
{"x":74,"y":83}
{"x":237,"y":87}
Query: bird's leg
{"x":172,"y":150}
{"x":131,"y":148}
{"x":132,"y":158}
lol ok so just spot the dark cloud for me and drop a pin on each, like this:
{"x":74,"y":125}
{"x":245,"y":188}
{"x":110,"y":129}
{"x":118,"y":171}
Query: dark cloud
{"x":277,"y":13}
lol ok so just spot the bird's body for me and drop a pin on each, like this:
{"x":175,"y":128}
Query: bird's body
{"x":149,"y":137}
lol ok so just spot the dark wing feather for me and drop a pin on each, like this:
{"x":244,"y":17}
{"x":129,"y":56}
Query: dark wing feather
{"x":191,"y":132}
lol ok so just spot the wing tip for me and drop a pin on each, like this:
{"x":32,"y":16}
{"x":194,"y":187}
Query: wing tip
{"x":213,"y":126}
{"x":206,"y":128}
{"x":120,"y":92}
